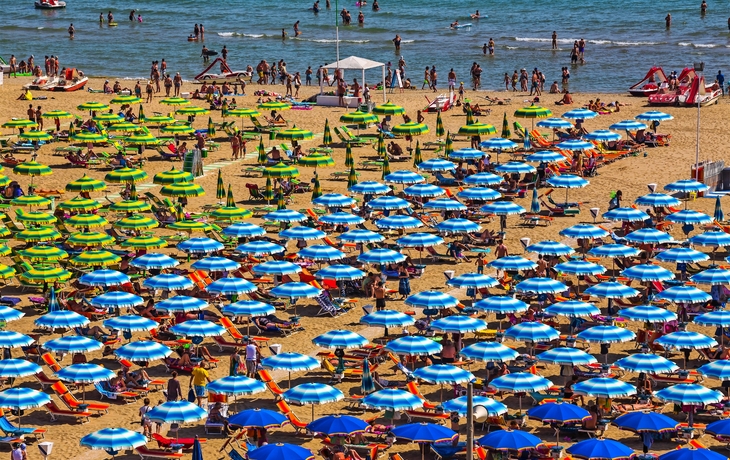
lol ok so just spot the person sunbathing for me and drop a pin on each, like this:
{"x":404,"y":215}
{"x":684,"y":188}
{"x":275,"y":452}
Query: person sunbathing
{"x":395,"y":149}
{"x":136,"y":379}
{"x":182,"y":362}
{"x":387,"y":383}
{"x":267,"y":323}
{"x":566,"y":100}
{"x":95,"y":332}
{"x":276,"y":118}
{"x":215,"y":416}
{"x":275,"y":154}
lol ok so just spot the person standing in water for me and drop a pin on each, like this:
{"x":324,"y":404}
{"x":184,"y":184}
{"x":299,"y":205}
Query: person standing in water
{"x":555,"y":40}
{"x":110,"y":17}
{"x":396,"y":42}
{"x":196,"y":31}
{"x":668,"y":20}
{"x":101,"y":18}
{"x":71,"y":31}
{"x":131,"y":15}
{"x":296,"y":29}
{"x":703,"y":7}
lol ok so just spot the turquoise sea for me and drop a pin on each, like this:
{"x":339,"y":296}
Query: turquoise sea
{"x":624,"y":38}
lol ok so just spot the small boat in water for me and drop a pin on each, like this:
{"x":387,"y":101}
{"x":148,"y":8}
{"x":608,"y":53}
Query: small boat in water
{"x":49,"y":4}
{"x":71,"y":80}
{"x":226,"y":74}
{"x":650,"y":84}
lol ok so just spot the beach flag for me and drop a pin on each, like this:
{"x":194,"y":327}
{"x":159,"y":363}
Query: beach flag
{"x":220,"y":189}
{"x":386,"y":167}
{"x":352,"y":177}
{"x":211,"y":127}
{"x":469,"y":116}
{"x":132,"y":192}
{"x":349,"y":161}
{"x":268,"y":191}
{"x":719,"y":215}
{"x":262,"y":159}
{"x":506,"y":133}
{"x":316,"y":187}
{"x":439,"y":125}
{"x":535,"y":205}
{"x":449,"y":147}
{"x":230,"y":202}
{"x":367,"y":385}
{"x":141,"y":113}
{"x":381,"y":146}
{"x":417,"y":157}
{"x":327,"y":138}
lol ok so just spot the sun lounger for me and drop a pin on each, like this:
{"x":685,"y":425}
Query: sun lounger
{"x":106,"y":392}
{"x":145,"y":453}
{"x":11,"y":430}
{"x":164,"y":442}
{"x":74,"y":404}
{"x":56,"y":412}
{"x":299,"y":426}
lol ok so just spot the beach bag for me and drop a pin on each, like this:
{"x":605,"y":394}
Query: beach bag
{"x":191,"y":395}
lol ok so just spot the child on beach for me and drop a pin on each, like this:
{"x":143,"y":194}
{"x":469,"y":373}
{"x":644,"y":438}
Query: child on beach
{"x":145,"y":421}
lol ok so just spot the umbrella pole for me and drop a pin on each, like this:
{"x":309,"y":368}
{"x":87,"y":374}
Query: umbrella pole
{"x":312,"y":412}
{"x":290,"y":381}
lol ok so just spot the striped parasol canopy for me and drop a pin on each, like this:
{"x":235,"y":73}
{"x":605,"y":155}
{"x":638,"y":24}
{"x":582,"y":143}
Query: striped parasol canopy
{"x":477,"y":129}
{"x":182,"y":189}
{"x":85,"y":184}
{"x":388,"y":109}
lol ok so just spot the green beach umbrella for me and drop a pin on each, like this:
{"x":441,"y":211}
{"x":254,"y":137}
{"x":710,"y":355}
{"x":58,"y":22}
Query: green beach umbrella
{"x":533,"y":112}
{"x":4,"y":231}
{"x":352,"y":177}
{"x":506,"y":133}
{"x":86,"y":221}
{"x":211,"y":127}
{"x":159,"y":120}
{"x":79,"y":204}
{"x":125,"y":127}
{"x":142,"y":139}
{"x":130,"y":206}
{"x":92,"y":106}
{"x":410,"y":129}
{"x":280,"y":201}
{"x":35,"y":136}
{"x":349,"y":160}
{"x":179,"y":213}
{"x":417,"y":157}
{"x":136,"y":223}
{"x":316,"y":188}
{"x":2,"y":169}
{"x":231,"y":214}
{"x":133,"y":191}
{"x":30,"y":201}
{"x":175,"y":101}
{"x":386,"y":168}
{"x":192,"y":110}
{"x":71,"y":129}
{"x":327,"y":137}
{"x":182,"y":189}
{"x":45,"y":275}
{"x":57,"y":114}
{"x":262,"y":158}
{"x":477,"y":129}
{"x":100,"y":258}
{"x":4,"y":180}
{"x":144,"y":242}
{"x":129,"y":99}
{"x":43,"y":253}
{"x":359,"y":118}
{"x":274,"y":105}
{"x":32,"y":168}
{"x":141,"y":118}
{"x":295,"y":134}
{"x":89,"y":239}
{"x":382,"y":153}
{"x":439,"y":125}
{"x":35,"y":217}
{"x":190,"y":225}
{"x":87,"y":137}
{"x":19,"y":123}
{"x":6,"y":272}
{"x":281,"y":170}
{"x":469,"y":116}
{"x":449,"y":147}
{"x":85,"y":184}
{"x":243,"y":113}
{"x":108,"y":118}
{"x":316,"y":160}
{"x":124,"y":175}
{"x":180,"y":129}
{"x":172,"y":176}
{"x":4,"y":250}
{"x":230,"y":202}
{"x":220,"y":189}
{"x":268,"y":190}
{"x":38,"y":234}
{"x":388,"y":109}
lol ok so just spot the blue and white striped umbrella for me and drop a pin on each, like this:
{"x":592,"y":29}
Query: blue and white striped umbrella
{"x":177,"y":412}
{"x":182,"y":304}
{"x":720,"y":318}
{"x":432,"y":300}
{"x":498,"y":143}
{"x":545,"y":156}
{"x":686,"y":186}
{"x":295,"y":291}
{"x":445,"y":204}
{"x":197,"y":328}
{"x":235,"y":385}
{"x":567,"y":181}
{"x":512,"y":263}
{"x":321,"y":252}
{"x":520,"y":382}
{"x":443,"y":374}
{"x":602,"y":135}
{"x":458,"y":324}
{"x":575,"y":144}
{"x":285,"y":215}
{"x":573,"y":309}
{"x":466,"y":154}
{"x":104,"y":278}
{"x":580,"y":267}
{"x":12,"y":339}
{"x":613,"y":250}
{"x":243,"y":230}
{"x":459,"y":405}
{"x":628,"y":125}
{"x":391,"y":399}
{"x":370,"y":188}
{"x":649,"y":236}
{"x":550,"y":248}
{"x":302,"y":233}
{"x":340,"y":272}
{"x":340,"y":338}
{"x":689,"y":394}
{"x":154,"y":260}
{"x":72,"y":344}
{"x":685,"y":340}
{"x":501,"y":304}
{"x":313,"y":393}
{"x":413,"y":346}
{"x":684,"y":294}
{"x":606,"y":334}
{"x":649,"y":314}
{"x":688,"y":216}
{"x":611,"y":290}
{"x":292,"y":362}
{"x":515,"y":167}
{"x":712,"y":276}
{"x":260,"y":248}
{"x":682,"y":255}
{"x":558,"y":412}
{"x":276,"y":267}
{"x":130,"y":323}
{"x":143,"y":351}
{"x":341,"y":218}
{"x":168,"y":282}
{"x":23,"y":398}
{"x":502,"y":208}
{"x":489,"y":352}
{"x":626,"y":215}
{"x":14,"y":368}
{"x":604,"y":388}
{"x":216,"y":264}
{"x":531,"y":331}
{"x":711,"y":239}
{"x":381,"y":256}
{"x":456,"y":225}
{"x":201,"y":245}
{"x":554,"y":123}
{"x":472,"y":280}
{"x":248,"y":308}
{"x":398,"y":221}
{"x":403,"y":177}
{"x":483,"y":178}
{"x":580,"y":114}
{"x":61,"y":319}
{"x":717,"y":369}
{"x":334,"y":200}
{"x":479,"y":194}
{"x":117,"y":299}
{"x":113,"y":440}
{"x":646,"y":362}
{"x":387,"y":318}
{"x":8,"y":314}
{"x":566,"y":356}
{"x":437,"y":164}
{"x":654,"y":115}
{"x":361,"y":236}
{"x":539,"y":285}
{"x":424,"y":190}
{"x":648,"y":272}
{"x":415,"y":240}
{"x":231,"y":286}
{"x":85,"y":373}
{"x":657,"y":200}
{"x":388,"y":203}
{"x":583,"y":231}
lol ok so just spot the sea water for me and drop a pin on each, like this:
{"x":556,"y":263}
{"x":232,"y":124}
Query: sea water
{"x":624,"y":37}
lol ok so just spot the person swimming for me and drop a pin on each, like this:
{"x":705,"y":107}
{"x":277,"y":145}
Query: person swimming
{"x":454,"y":24}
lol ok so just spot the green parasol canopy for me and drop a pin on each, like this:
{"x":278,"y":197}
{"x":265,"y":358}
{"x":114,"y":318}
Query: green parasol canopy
{"x":6,"y":272}
{"x":144,"y":242}
{"x":125,"y":127}
{"x":274,"y":105}
{"x":57,"y":114}
{"x":37,"y":234}
{"x":386,"y":167}
{"x":124,"y":175}
{"x":19,"y":123}
{"x":89,"y":239}
{"x":100,"y":258}
{"x":417,"y":157}
{"x":327,"y":137}
{"x":42,"y":275}
{"x":439,"y":125}
{"x":86,"y":221}
{"x":182,"y":189}
{"x":130,"y":206}
{"x":281,"y":170}
{"x":388,"y":109}
{"x":35,"y":136}
{"x":477,"y":129}
{"x":108,"y":118}
{"x":43,"y":253}
{"x":316,"y":160}
{"x":349,"y":160}
{"x":410,"y":129}
{"x":126,"y":100}
{"x":85,"y":184}
{"x":190,"y":226}
{"x":533,"y":111}
{"x":79,"y":204}
{"x":295,"y":134}
{"x":192,"y":110}
{"x":506,"y":133}
{"x":142,"y":139}
{"x":35,"y":217}
{"x":220,"y":189}
{"x":352,"y":177}
{"x":30,"y":201}
{"x":172,"y":176}
{"x":231,"y":214}
{"x":262,"y":158}
{"x":175,"y":101}
{"x":136,"y":222}
{"x":178,"y":129}
{"x":159,"y":120}
{"x":86,"y":137}
{"x":357,"y":117}
{"x":92,"y":106}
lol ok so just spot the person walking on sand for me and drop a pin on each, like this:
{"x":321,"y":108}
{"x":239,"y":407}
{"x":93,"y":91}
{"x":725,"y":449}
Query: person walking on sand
{"x":199,"y":379}
{"x":379,"y":295}
{"x":177,"y":84}
{"x":174,"y":393}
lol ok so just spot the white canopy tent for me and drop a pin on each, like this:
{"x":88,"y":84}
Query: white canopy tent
{"x":357,"y":63}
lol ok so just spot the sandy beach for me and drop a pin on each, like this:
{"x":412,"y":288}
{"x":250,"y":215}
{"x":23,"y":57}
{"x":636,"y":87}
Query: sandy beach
{"x":631,"y":175}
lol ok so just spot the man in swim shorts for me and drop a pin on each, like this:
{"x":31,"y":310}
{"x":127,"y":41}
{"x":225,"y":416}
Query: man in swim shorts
{"x":71,"y":31}
{"x":397,"y":40}
{"x":555,"y":40}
